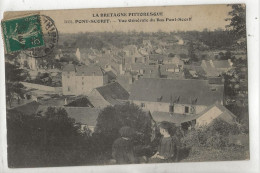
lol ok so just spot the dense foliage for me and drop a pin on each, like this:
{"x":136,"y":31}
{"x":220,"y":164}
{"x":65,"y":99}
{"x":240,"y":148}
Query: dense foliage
{"x":49,"y":139}
{"x":112,"y":118}
{"x":216,"y":135}
{"x":13,"y":76}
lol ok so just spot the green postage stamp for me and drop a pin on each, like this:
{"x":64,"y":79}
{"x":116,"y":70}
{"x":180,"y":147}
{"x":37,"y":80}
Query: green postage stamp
{"x":22,"y":33}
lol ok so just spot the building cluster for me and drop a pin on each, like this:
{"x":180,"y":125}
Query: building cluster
{"x":149,"y":76}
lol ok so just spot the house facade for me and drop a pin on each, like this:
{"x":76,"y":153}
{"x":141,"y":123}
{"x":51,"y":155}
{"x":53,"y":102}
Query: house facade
{"x":77,"y":80}
{"x":204,"y":118}
{"x":181,"y":96}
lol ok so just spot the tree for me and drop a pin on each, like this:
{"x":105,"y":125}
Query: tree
{"x":13,"y":76}
{"x":46,"y":139}
{"x":191,"y":52}
{"x":237,"y":24}
{"x":112,"y":118}
{"x":238,"y":20}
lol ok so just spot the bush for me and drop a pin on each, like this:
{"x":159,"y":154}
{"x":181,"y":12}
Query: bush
{"x":223,"y":128}
{"x":217,"y":141}
{"x":216,"y":135}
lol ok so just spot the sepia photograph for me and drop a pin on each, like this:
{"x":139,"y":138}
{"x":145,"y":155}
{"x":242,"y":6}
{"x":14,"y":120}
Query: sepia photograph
{"x":142,"y":85}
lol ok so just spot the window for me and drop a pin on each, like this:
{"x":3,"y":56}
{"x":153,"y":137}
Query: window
{"x":68,"y":88}
{"x":171,"y":108}
{"x":186,"y":109}
{"x":192,"y":110}
{"x":142,"y":105}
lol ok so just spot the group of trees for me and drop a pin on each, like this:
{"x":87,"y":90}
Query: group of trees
{"x":52,"y":138}
{"x":46,"y":79}
{"x":46,"y":139}
{"x":13,"y":77}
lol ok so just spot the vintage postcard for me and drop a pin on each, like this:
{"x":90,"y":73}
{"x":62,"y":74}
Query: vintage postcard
{"x":126,"y":85}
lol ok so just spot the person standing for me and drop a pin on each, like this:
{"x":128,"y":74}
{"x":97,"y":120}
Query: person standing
{"x":123,"y":149}
{"x":167,"y":150}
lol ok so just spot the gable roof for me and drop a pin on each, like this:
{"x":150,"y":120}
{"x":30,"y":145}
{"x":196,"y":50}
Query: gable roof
{"x":80,"y":102}
{"x":111,"y":75}
{"x":224,"y":114}
{"x":125,"y":81}
{"x":210,"y":71}
{"x":82,"y":115}
{"x":26,"y":109}
{"x":113,"y":91}
{"x":186,"y":90}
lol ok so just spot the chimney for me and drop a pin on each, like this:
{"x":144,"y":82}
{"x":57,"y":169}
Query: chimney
{"x":230,"y":62}
{"x":130,"y":80}
{"x":211,"y":63}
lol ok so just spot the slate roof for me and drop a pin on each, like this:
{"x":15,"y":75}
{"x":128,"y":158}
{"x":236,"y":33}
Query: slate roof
{"x":69,"y":68}
{"x":181,"y":118}
{"x":84,"y":70}
{"x":113,"y":91}
{"x":26,"y":109}
{"x":221,"y":64}
{"x":170,"y":117}
{"x":82,"y":115}
{"x":164,"y":67}
{"x":210,"y":71}
{"x":226,"y":115}
{"x":80,"y":102}
{"x":111,"y":75}
{"x":148,"y":70}
{"x":124,"y":81}
{"x":150,"y":89}
{"x":156,"y":57}
{"x":215,"y":80}
{"x":90,"y":70}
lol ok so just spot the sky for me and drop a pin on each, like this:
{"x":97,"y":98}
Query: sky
{"x":201,"y":17}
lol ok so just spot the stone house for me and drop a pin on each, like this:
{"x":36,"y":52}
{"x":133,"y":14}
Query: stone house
{"x":77,"y":80}
{"x":204,"y":118}
{"x":181,"y":96}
